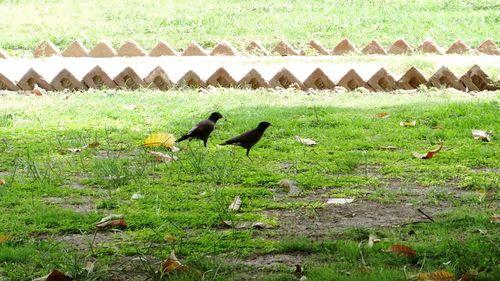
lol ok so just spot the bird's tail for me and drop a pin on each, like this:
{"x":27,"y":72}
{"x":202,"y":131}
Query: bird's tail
{"x":182,"y":138}
{"x":226,"y":142}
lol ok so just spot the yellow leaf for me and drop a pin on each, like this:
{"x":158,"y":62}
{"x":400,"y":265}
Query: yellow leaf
{"x":160,"y":139}
{"x":382,"y":115}
{"x":4,"y":238}
{"x":441,"y":275}
{"x":408,"y":123}
{"x":170,"y":238}
{"x":2,"y":181}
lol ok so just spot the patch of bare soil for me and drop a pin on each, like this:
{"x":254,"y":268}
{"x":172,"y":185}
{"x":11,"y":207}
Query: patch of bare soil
{"x":331,"y":219}
{"x":84,"y":242}
{"x":82,"y":205}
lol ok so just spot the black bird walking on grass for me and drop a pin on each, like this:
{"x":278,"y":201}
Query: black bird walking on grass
{"x":249,"y":138}
{"x":203,"y":129}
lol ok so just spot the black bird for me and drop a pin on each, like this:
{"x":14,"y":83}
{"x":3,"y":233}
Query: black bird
{"x":203,"y":129}
{"x":249,"y":138}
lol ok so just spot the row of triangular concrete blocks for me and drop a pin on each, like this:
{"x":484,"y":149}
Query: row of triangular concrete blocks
{"x":132,"y":49}
{"x":475,"y":80}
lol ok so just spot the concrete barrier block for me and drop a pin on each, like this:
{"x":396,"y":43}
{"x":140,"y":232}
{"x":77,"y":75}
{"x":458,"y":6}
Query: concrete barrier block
{"x":412,"y":79}
{"x":343,"y":48}
{"x":253,"y":80}
{"x":256,"y":48}
{"x":28,"y":81}
{"x":221,"y":78}
{"x":7,"y":84}
{"x":130,"y":48}
{"x":285,"y":49}
{"x":194,"y":49}
{"x":285,"y":79}
{"x":428,"y":46}
{"x":158,"y":79}
{"x":46,"y":49}
{"x":488,"y":47}
{"x":96,"y":78}
{"x":191,"y":80}
{"x":102,"y":50}
{"x":163,"y":48}
{"x":373,"y":48}
{"x":382,"y":81}
{"x":224,"y":48}
{"x":129,"y":79}
{"x":351,"y":81}
{"x":318,"y":80}
{"x":444,"y":78}
{"x":316,"y":45}
{"x":66,"y":80}
{"x":400,"y":47}
{"x":477,"y":80}
{"x":459,"y":47}
{"x":76,"y":50}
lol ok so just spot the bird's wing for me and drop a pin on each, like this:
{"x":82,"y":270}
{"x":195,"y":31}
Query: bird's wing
{"x":246,"y":137}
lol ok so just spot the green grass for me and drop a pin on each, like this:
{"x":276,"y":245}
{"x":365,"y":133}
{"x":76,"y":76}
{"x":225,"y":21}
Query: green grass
{"x":188,"y":198}
{"x":26,"y":23}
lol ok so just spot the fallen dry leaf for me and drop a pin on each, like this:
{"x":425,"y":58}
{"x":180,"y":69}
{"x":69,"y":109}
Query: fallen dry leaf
{"x":89,"y":266}
{"x":169,"y":238}
{"x":429,"y":154}
{"x":117,"y":223}
{"x":2,"y":181}
{"x":38,"y":91}
{"x":78,"y":149}
{"x":4,"y":238}
{"x":372,"y":239}
{"x":160,"y":139}
{"x":400,"y":249}
{"x":408,"y":123}
{"x":247,"y":224}
{"x":55,"y":275}
{"x":495,"y":218}
{"x":308,"y":142}
{"x":162,"y":157}
{"x":235,"y":206}
{"x":92,"y":145}
{"x":174,"y":149}
{"x":434,"y":276}
{"x":481,"y":135}
{"x":382,"y":115}
{"x":173,"y":264}
{"x":339,"y":200}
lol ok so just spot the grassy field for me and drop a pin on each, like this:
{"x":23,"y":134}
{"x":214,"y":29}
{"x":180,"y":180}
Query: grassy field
{"x":52,"y":200}
{"x":26,"y":23}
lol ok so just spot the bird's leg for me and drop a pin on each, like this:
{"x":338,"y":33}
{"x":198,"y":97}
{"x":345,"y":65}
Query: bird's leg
{"x":248,"y":151}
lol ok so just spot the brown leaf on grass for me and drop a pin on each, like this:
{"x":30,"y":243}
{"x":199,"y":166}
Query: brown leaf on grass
{"x":495,"y":218}
{"x":389,"y":147}
{"x":408,"y":123}
{"x":55,"y":275}
{"x":4,"y":238}
{"x":308,"y":142}
{"x":119,"y":223}
{"x":247,"y":224}
{"x":112,"y":221}
{"x":160,"y":139}
{"x":429,"y":154}
{"x":162,"y":157}
{"x":382,"y":115}
{"x":434,"y":276}
{"x":403,"y":250}
{"x":2,"y":181}
{"x":38,"y":91}
{"x":481,"y":135}
{"x":235,"y":206}
{"x":465,"y":277}
{"x":173,"y":264}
